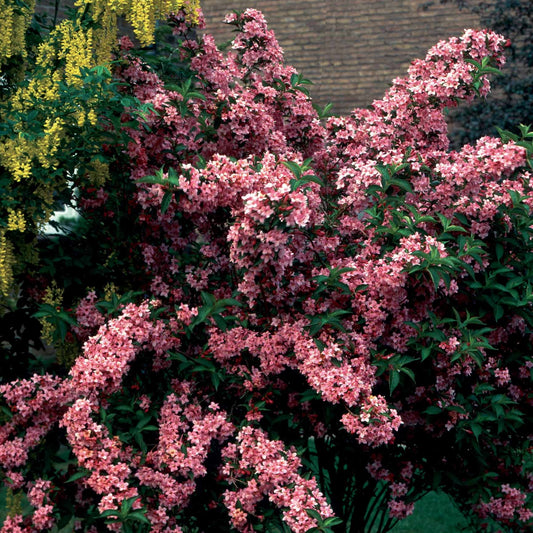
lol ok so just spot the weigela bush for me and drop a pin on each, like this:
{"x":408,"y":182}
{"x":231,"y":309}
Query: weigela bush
{"x":293,"y":324}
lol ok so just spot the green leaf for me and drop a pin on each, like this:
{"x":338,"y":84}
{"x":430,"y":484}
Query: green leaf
{"x":153,"y":180}
{"x":473,"y":62}
{"x":313,"y":513}
{"x":394,"y":380}
{"x":77,"y":475}
{"x":401,"y":184}
{"x":323,"y":112}
{"x":425,"y":353}
{"x":173,"y":177}
{"x":332,"y":521}
{"x":408,"y":372}
{"x":138,"y":516}
{"x":435,"y":276}
{"x":476,"y":430}
{"x":309,"y":395}
{"x":207,"y":299}
{"x":293,"y":167}
{"x":165,"y":202}
{"x":308,"y":178}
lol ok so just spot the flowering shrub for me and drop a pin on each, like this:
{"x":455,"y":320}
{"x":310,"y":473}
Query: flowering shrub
{"x":285,"y":323}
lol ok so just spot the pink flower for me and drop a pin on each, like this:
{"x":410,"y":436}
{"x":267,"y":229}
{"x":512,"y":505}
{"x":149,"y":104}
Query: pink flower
{"x":42,"y":518}
{"x":400,"y":509}
{"x":502,"y":376}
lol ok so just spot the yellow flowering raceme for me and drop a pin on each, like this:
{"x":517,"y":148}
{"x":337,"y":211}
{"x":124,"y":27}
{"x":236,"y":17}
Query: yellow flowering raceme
{"x":105,"y":34}
{"x":13,"y":502}
{"x":6,"y":264}
{"x":16,"y":156}
{"x":14,"y":21}
{"x":43,"y":89}
{"x":44,"y":193}
{"x":143,"y":14}
{"x":70,"y":48}
{"x":53,"y":296}
{"x":16,"y":220}
{"x":48,"y":145}
{"x":41,"y":109}
{"x":109,"y":290}
{"x":77,"y":50}
{"x":98,"y":172}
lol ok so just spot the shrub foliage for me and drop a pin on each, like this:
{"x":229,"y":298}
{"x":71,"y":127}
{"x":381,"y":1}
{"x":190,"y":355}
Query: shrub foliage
{"x":263,"y":318}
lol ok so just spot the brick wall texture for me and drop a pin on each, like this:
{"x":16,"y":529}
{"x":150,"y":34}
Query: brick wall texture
{"x":48,"y":7}
{"x":350,"y":49}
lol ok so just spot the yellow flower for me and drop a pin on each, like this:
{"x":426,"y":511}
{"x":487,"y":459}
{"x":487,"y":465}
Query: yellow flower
{"x":6,"y":264}
{"x":52,"y":296}
{"x":14,"y":22}
{"x":43,"y":89}
{"x":105,"y":34}
{"x":91,"y":117}
{"x":15,"y":156}
{"x":16,"y":220}
{"x":98,"y":173}
{"x":142,"y":14}
{"x":67,"y":353}
{"x":109,"y":290}
{"x":80,"y":118}
{"x":76,"y":50}
{"x":46,"y":54}
{"x":7,"y":21}
{"x":13,"y":502}
{"x":45,"y":195}
{"x":47,"y":146}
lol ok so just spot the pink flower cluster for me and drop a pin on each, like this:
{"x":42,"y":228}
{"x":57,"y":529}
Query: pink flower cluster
{"x":40,"y":403}
{"x":36,"y":404}
{"x":511,"y":504}
{"x":88,"y":317}
{"x":99,"y":453}
{"x":185,"y":435}
{"x":108,"y":354}
{"x":269,"y":470}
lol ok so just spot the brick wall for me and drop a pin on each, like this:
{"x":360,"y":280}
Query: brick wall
{"x":350,"y":49}
{"x":47,"y":7}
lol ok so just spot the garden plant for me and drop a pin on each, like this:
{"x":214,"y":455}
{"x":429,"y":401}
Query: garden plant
{"x":264,"y":318}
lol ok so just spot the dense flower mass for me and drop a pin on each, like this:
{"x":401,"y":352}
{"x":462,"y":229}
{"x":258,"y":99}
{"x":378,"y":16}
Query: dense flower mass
{"x":274,"y":472}
{"x":289,"y":319}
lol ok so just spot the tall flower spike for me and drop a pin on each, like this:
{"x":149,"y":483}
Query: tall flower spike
{"x":142,"y":14}
{"x":6,"y":264}
{"x":15,"y":17}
